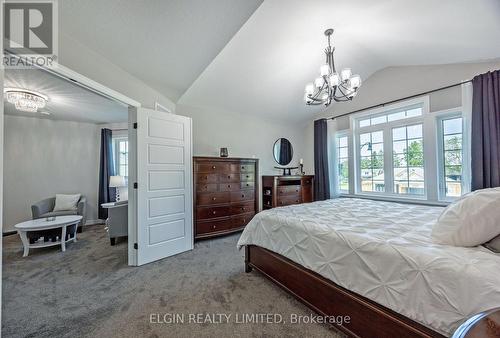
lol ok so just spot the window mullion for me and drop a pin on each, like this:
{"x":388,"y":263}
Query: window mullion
{"x":388,"y":162}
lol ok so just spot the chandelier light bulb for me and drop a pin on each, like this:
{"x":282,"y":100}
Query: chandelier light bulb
{"x":324,"y":70}
{"x":309,"y":89}
{"x":345,"y":74}
{"x":334,"y":80}
{"x":318,"y":82}
{"x":355,"y":81}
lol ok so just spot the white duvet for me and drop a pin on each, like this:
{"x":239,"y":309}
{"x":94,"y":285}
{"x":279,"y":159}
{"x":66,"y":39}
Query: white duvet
{"x":384,"y":251}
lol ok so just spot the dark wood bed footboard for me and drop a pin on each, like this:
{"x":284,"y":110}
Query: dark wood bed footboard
{"x":367,"y":318}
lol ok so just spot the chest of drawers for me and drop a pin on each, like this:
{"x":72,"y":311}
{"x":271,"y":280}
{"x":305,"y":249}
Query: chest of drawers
{"x":225,"y":194}
{"x":279,"y":191}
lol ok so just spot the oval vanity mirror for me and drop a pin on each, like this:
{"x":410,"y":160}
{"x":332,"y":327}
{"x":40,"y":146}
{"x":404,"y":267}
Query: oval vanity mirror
{"x":283,"y":151}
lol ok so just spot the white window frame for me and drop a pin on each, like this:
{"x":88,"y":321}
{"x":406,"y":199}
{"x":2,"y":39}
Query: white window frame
{"x":337,"y":135}
{"x":116,"y":153}
{"x":465,"y":184}
{"x":386,"y":128}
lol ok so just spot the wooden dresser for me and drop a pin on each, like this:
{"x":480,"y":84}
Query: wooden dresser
{"x":278,"y":191}
{"x":225,"y":194}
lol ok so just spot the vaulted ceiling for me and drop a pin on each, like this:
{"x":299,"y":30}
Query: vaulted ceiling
{"x":254,"y":57}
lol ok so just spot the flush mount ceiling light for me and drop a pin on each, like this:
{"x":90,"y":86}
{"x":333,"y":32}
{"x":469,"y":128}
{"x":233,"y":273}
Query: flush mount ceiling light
{"x":25,"y":100}
{"x":332,"y":86}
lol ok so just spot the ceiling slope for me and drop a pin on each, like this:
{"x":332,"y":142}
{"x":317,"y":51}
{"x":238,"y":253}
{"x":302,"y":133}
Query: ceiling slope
{"x":166,"y":44}
{"x":264,"y":68}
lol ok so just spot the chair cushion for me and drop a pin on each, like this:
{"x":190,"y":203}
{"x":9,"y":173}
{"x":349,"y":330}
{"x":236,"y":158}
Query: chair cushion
{"x":59,"y":213}
{"x":66,"y":202}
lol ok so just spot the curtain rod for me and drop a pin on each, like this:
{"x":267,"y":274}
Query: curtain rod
{"x":397,"y":100}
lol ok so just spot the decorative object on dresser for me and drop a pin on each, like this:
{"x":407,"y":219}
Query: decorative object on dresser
{"x":224,"y":152}
{"x":117,"y":182}
{"x":225,"y":194}
{"x":278,"y":191}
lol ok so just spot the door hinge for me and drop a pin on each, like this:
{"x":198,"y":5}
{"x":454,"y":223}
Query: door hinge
{"x":135,"y":125}
{"x":135,"y":246}
{"x":136,"y":185}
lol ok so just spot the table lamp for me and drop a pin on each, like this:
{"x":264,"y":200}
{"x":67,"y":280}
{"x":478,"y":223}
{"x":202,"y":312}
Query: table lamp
{"x":117,"y":182}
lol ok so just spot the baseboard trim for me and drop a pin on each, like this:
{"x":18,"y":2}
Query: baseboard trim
{"x":9,"y":233}
{"x":94,"y":222}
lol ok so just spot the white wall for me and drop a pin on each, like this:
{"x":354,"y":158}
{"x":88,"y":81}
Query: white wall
{"x":243,"y":135}
{"x":43,"y":157}
{"x":398,"y":82}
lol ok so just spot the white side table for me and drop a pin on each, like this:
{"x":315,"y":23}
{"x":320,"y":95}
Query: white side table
{"x":41,"y":224}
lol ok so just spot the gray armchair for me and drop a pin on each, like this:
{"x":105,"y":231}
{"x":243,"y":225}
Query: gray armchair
{"x":44,"y":209}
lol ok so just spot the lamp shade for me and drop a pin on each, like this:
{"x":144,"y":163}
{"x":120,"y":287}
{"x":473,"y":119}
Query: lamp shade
{"x":116,"y":181}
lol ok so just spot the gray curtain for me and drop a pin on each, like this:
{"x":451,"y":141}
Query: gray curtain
{"x":321,"y":176}
{"x":106,"y":169}
{"x":485,"y":142}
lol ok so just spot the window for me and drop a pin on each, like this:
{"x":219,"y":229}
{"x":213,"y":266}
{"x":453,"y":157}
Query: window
{"x":343,"y":163}
{"x":405,"y":152}
{"x":371,"y":150}
{"x":452,"y":156}
{"x":120,"y":150}
{"x":408,"y":160}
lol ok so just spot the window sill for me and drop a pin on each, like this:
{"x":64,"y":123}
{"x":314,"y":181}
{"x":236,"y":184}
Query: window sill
{"x":398,"y":200}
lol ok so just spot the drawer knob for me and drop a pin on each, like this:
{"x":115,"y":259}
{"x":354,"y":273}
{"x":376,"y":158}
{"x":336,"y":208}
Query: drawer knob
{"x":206,"y":177}
{"x":242,"y":196}
{"x":214,"y":226}
{"x":214,"y":212}
{"x":228,"y":176}
{"x":297,"y":201}
{"x":297,"y":190}
{"x":229,"y":185}
{"x":248,"y":185}
{"x":243,"y":208}
{"x":244,"y":220}
{"x":248,"y":176}
{"x":214,"y":198}
{"x":213,"y":167}
{"x":242,"y":167}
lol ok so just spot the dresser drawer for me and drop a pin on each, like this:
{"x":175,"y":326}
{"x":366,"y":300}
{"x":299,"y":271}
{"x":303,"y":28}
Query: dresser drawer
{"x":212,"y":212}
{"x":241,"y":208}
{"x":236,"y":186}
{"x":248,"y":177}
{"x":212,"y":187}
{"x":240,"y":196}
{"x":289,"y":190}
{"x":288,"y":200}
{"x":206,"y":178}
{"x":204,"y":227}
{"x":214,"y":167}
{"x":242,"y":220}
{"x":212,"y":198}
{"x":242,"y":167}
{"x":229,"y":178}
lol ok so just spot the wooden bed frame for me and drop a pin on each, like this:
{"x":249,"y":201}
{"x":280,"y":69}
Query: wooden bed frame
{"x":367,"y":318}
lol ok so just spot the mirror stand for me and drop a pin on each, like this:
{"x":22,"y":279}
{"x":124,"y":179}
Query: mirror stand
{"x":287,"y":171}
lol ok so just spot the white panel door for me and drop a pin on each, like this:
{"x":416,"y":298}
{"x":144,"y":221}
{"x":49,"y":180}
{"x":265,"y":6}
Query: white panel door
{"x":164,"y":189}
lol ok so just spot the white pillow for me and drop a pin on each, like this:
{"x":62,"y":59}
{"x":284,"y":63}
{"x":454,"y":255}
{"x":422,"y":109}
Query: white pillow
{"x":66,"y":202}
{"x":471,"y":220}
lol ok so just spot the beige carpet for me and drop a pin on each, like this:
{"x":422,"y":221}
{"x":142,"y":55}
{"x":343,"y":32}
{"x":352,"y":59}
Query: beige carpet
{"x":90,"y":291}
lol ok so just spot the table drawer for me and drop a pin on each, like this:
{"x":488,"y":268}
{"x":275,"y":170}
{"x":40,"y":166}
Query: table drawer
{"x":242,"y":167}
{"x":288,"y":200}
{"x":229,"y":178}
{"x":211,"y":187}
{"x":212,"y":198}
{"x":214,"y":167}
{"x":241,"y":208}
{"x":289,"y":190}
{"x":204,"y":227}
{"x":206,"y":178}
{"x":212,"y":212}
{"x":240,"y":196}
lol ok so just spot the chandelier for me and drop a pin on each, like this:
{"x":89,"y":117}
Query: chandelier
{"x":25,"y":100}
{"x":332,"y":85}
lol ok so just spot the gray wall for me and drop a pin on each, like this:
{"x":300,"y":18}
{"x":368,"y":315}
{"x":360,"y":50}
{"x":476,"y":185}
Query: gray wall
{"x":398,"y":82}
{"x":43,"y":157}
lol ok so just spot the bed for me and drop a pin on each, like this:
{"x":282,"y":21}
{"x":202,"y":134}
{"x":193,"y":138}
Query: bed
{"x":375,"y":262}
